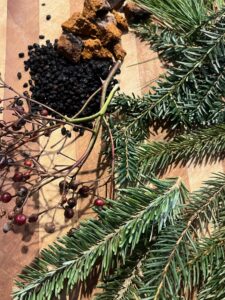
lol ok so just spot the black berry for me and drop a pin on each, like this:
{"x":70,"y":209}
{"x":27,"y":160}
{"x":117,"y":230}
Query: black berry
{"x":19,"y":75}
{"x":33,"y":218}
{"x":22,"y":191}
{"x":21,"y":55}
{"x":84,"y":191}
{"x":72,"y":202}
{"x":68,"y":213}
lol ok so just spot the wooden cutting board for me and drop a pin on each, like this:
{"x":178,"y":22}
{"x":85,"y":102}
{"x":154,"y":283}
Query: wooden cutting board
{"x":21,"y":23}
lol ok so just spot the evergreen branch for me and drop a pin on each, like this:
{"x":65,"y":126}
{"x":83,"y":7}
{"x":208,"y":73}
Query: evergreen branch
{"x":179,"y":15}
{"x":208,"y":254}
{"x":177,"y":96}
{"x":125,"y":282}
{"x":110,"y":238}
{"x":205,"y":144}
{"x":214,"y":287}
{"x":176,"y":244}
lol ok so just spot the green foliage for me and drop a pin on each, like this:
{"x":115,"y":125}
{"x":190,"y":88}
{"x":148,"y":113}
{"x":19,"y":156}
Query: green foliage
{"x":180,"y":259}
{"x":111,"y":239}
{"x":179,"y":15}
{"x":166,"y":271}
{"x":205,"y":145}
{"x":192,"y":92}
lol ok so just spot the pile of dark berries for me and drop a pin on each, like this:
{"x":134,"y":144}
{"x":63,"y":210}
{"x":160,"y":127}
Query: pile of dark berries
{"x":63,"y":85}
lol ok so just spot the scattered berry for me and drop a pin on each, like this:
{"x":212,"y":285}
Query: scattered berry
{"x":11,"y":215}
{"x":48,"y":17}
{"x":18,"y":177}
{"x":44,"y":112}
{"x":25,"y":85}
{"x":68,"y":213}
{"x":41,"y":36}
{"x":63,"y":131}
{"x":33,"y":218}
{"x":73,"y":185}
{"x":28,"y":163}
{"x":72,"y":202}
{"x":49,"y":227}
{"x":84,"y":191}
{"x":21,"y":55}
{"x":75,"y":128}
{"x":6,"y":197}
{"x":99,"y":202}
{"x":18,"y":101}
{"x":19,"y":75}
{"x":20,"y":219}
{"x":22,"y":191}
{"x":68,"y":134}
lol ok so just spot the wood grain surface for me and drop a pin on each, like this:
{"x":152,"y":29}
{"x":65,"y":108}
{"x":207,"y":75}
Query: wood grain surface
{"x":21,"y":23}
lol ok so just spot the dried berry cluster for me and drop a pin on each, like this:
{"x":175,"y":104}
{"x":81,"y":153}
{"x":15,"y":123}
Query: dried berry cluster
{"x":62,"y":85}
{"x":70,"y":193}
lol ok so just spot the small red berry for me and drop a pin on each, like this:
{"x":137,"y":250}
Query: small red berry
{"x":28,"y":163}
{"x":6,"y":197}
{"x":18,"y":177}
{"x":99,"y":202}
{"x":44,"y":112}
{"x":20,"y":219}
